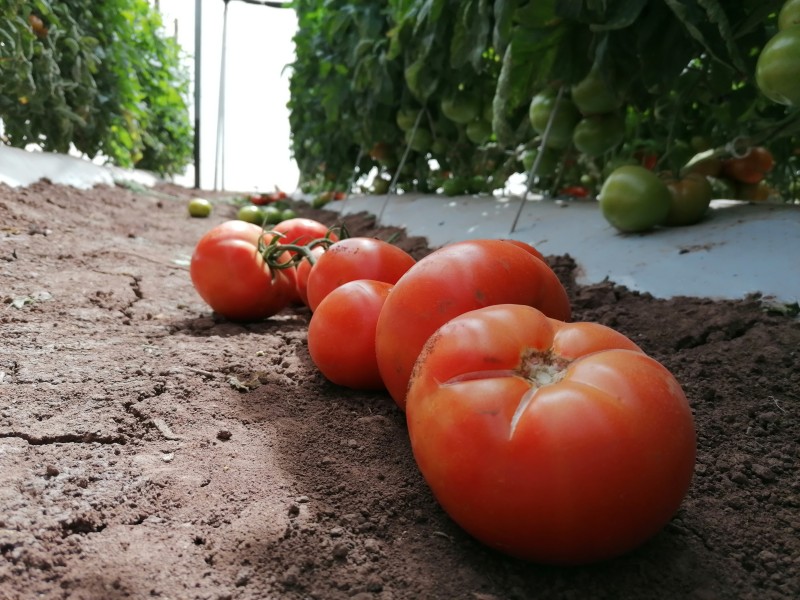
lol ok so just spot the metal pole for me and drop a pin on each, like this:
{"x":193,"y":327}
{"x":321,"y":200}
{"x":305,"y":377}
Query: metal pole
{"x":198,"y":45}
{"x":219,"y":167}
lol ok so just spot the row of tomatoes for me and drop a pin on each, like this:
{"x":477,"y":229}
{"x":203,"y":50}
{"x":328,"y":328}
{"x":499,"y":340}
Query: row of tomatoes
{"x":554,"y":441}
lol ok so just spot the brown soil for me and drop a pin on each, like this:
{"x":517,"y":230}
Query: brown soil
{"x":149,"y":449}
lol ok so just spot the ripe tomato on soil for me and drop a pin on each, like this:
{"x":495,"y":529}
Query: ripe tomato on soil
{"x":341,"y":334}
{"x":231,"y":276}
{"x":455,"y":279}
{"x":355,"y":258}
{"x":554,"y":442}
{"x":303,"y":270}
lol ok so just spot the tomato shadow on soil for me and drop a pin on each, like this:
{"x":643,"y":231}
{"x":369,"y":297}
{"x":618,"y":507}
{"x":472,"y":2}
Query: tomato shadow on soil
{"x":213,"y":324}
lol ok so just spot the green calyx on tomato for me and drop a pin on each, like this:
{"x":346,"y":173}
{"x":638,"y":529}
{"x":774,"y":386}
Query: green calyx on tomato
{"x":461,"y":108}
{"x":689,"y":200}
{"x":593,"y":96}
{"x":634,"y":199}
{"x":479,"y":131}
{"x":598,"y":134}
{"x":778,"y":67}
{"x":564,"y":121}
{"x":554,"y":442}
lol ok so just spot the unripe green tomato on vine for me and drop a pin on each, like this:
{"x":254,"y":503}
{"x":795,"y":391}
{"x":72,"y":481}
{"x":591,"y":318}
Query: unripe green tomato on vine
{"x":789,"y":16}
{"x":593,"y":96}
{"x":778,"y":67}
{"x":479,"y":131}
{"x":564,"y":121}
{"x":460,"y":108}
{"x":598,"y":134}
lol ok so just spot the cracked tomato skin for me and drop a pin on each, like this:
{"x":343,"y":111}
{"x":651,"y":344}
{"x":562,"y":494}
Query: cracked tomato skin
{"x":453,"y":280}
{"x":232,"y":278}
{"x":555,"y":442}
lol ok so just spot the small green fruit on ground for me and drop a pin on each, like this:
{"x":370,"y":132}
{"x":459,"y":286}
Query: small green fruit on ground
{"x":251,"y":214}
{"x":199,"y":207}
{"x":634,"y":199}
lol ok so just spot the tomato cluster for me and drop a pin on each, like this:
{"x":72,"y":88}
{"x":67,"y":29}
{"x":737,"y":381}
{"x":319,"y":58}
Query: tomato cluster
{"x":552,"y":441}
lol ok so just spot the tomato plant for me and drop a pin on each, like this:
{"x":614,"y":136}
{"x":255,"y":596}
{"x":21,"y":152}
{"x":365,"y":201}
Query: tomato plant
{"x":778,"y":67}
{"x":450,"y":281}
{"x":230,"y":273}
{"x":689,"y":199}
{"x":554,"y":442}
{"x":341,"y":334}
{"x":750,"y":168}
{"x":356,"y":258}
{"x":634,"y":199}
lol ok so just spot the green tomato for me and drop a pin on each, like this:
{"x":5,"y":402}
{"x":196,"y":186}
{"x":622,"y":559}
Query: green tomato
{"x":251,"y":214}
{"x":547,"y":165}
{"x":564,"y":121}
{"x":288,"y":214}
{"x":789,"y":15}
{"x":422,"y":140}
{"x":593,"y":96}
{"x":479,"y":131}
{"x":274,"y":215}
{"x":455,"y":186}
{"x":406,"y":117}
{"x":778,"y":67}
{"x":598,"y":134}
{"x":460,"y":108}
{"x":690,"y":198}
{"x":634,"y":199}
{"x":199,"y":207}
{"x":380,"y":186}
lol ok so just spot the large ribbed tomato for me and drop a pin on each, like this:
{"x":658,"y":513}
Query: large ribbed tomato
{"x":554,"y":442}
{"x":453,"y":280}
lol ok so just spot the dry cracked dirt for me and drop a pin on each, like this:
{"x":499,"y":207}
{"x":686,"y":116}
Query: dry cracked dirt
{"x":150,"y":449}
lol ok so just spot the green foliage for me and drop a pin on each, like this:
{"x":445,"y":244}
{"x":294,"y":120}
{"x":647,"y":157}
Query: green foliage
{"x":101,"y":76}
{"x":682,"y":69}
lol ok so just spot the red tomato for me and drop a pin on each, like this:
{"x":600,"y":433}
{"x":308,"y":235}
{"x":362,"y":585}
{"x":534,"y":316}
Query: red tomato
{"x":230,"y":274}
{"x":576,"y":191}
{"x":751,"y":168}
{"x":301,"y":231}
{"x":260,"y":199}
{"x":303,"y":270}
{"x":554,"y":442}
{"x":528,"y":248}
{"x":356,"y":258}
{"x":341,"y":334}
{"x":448,"y":282}
{"x":339,"y":195}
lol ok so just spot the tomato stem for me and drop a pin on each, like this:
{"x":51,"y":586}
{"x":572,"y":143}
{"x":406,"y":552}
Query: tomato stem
{"x":543,"y":368}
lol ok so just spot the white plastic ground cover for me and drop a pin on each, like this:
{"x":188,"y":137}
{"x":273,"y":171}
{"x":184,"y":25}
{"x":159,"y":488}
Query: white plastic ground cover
{"x":22,"y":167}
{"x":739,"y":250}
